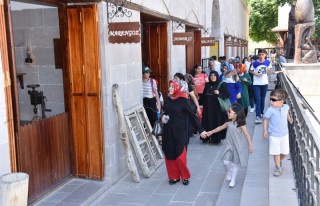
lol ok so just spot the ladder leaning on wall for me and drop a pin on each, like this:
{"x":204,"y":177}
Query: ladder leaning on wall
{"x":145,"y":145}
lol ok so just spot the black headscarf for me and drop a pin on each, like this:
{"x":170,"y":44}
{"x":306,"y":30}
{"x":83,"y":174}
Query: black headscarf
{"x":214,"y":85}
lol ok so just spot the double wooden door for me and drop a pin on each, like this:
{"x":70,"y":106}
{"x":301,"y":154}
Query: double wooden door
{"x":85,"y":91}
{"x":155,"y":52}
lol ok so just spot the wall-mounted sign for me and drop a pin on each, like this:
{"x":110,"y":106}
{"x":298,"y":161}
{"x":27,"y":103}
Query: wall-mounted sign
{"x":185,"y":38}
{"x":207,"y":41}
{"x":229,"y":43}
{"x":124,"y":32}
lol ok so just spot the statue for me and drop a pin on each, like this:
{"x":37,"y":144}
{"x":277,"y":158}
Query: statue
{"x":305,"y":51}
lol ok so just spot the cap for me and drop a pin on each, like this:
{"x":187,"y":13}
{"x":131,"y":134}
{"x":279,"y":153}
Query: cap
{"x":146,"y":69}
{"x":262,"y":51}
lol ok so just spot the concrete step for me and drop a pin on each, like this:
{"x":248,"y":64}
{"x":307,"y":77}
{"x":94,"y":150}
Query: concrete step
{"x":256,"y":184}
{"x":232,"y":196}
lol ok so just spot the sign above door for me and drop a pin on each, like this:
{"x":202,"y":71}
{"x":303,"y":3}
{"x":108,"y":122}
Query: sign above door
{"x":185,"y":38}
{"x":207,"y":41}
{"x":124,"y":32}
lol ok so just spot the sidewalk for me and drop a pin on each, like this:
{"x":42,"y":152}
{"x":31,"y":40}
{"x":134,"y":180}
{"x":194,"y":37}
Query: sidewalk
{"x":207,"y":183}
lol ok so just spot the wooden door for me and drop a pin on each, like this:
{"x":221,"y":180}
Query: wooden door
{"x":85,"y":91}
{"x":193,"y":51}
{"x":155,"y":52}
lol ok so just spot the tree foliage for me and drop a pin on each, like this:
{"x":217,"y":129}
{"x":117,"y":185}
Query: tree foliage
{"x":264,"y":17}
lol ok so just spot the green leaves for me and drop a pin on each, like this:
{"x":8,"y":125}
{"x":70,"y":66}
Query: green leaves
{"x":264,"y":17}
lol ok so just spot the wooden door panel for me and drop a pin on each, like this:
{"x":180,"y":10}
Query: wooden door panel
{"x":75,"y":48}
{"x":154,"y":50}
{"x":79,"y":133}
{"x":197,"y":46}
{"x":163,"y":58}
{"x":157,"y":41}
{"x":94,"y":136}
{"x":90,"y":40}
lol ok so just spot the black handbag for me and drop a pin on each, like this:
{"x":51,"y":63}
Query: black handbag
{"x":158,"y":128}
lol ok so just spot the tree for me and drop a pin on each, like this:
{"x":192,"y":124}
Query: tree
{"x":264,"y":17}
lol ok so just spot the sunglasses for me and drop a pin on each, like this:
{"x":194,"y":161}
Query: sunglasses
{"x":275,"y":100}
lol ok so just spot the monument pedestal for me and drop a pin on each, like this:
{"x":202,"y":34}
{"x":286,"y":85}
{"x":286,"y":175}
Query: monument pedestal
{"x":306,"y":77}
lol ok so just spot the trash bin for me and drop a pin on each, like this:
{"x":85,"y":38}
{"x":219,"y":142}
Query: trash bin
{"x":14,"y":189}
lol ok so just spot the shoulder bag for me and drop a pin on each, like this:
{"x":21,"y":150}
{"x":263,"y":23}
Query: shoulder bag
{"x":224,"y":103}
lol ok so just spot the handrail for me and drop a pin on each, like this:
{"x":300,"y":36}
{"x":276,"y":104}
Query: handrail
{"x":304,"y":147}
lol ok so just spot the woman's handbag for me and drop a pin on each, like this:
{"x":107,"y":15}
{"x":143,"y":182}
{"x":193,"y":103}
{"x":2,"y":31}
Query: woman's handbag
{"x":157,"y":128}
{"x":224,"y":103}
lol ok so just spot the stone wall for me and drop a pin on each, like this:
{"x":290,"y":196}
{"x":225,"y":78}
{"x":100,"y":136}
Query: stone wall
{"x":37,"y":28}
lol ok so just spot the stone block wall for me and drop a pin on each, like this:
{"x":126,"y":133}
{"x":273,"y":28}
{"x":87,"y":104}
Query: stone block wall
{"x":37,"y":28}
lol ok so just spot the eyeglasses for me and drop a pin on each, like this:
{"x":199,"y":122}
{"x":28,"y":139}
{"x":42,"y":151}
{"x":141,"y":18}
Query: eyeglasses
{"x":275,"y":100}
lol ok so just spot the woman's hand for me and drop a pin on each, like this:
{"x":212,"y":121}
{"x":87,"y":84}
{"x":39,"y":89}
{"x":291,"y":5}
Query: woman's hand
{"x":164,"y":119}
{"x":265,"y":134}
{"x":216,"y":92}
{"x":250,"y":148}
{"x":239,"y":96}
{"x":204,"y":134}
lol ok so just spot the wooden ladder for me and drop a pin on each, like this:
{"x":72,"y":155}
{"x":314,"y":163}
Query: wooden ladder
{"x":145,"y":145}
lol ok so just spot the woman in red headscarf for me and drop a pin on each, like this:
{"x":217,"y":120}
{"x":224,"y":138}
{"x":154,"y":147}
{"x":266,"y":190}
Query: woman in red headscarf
{"x":175,"y":132}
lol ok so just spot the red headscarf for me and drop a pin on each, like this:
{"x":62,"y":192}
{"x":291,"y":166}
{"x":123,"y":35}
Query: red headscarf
{"x":242,"y":69}
{"x":178,"y":90}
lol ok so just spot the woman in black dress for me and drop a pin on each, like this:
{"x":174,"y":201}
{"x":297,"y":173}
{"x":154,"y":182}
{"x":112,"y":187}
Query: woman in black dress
{"x":175,"y":132}
{"x":212,"y":116}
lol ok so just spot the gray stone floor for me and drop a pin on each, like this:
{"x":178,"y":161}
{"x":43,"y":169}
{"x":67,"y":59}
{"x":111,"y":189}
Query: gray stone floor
{"x":255,"y":184}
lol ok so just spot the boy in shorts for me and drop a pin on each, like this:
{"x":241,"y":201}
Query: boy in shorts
{"x":275,"y":125}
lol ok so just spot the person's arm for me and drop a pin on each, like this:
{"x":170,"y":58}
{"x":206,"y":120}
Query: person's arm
{"x":155,"y":91}
{"x":218,"y":129}
{"x":289,"y":117}
{"x":265,"y":128}
{"x":246,"y":134}
{"x":194,"y":99}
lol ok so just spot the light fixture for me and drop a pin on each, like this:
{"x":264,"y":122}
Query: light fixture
{"x":178,"y":25}
{"x":206,"y":31}
{"x":29,"y":60}
{"x":116,"y":8}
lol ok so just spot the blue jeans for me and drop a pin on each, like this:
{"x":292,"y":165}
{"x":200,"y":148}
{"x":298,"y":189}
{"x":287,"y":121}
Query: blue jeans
{"x":260,"y":92}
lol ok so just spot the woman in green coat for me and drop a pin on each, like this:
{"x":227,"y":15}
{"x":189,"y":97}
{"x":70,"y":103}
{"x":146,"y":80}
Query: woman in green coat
{"x":245,"y":81}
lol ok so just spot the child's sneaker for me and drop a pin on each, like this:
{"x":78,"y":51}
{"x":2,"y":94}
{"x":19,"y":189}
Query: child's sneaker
{"x":232,"y":183}
{"x":277,"y":172}
{"x":252,"y":109}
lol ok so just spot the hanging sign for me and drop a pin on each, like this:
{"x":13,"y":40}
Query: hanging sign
{"x":207,"y":41}
{"x":124,"y":32}
{"x":229,"y":43}
{"x":185,"y":38}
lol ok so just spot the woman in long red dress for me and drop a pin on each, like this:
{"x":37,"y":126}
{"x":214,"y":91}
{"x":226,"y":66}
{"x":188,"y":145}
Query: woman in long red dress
{"x":175,"y":133}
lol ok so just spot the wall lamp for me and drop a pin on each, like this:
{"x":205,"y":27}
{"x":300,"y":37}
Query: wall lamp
{"x":30,"y":58}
